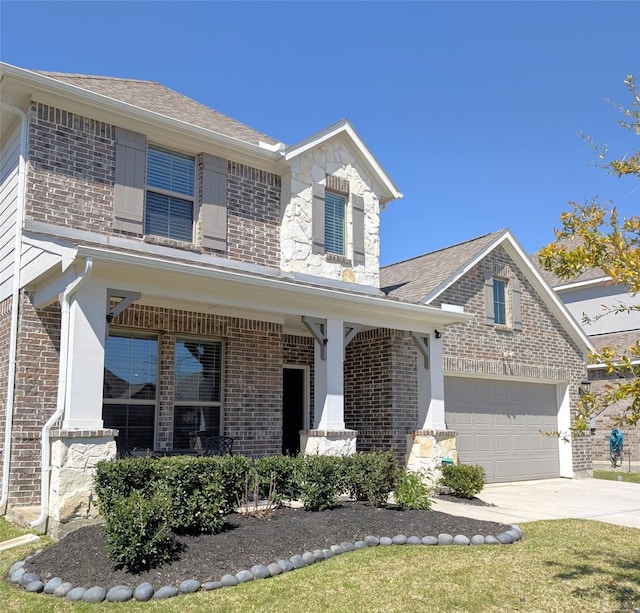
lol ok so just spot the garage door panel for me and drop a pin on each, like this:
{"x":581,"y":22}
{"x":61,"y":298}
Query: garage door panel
{"x":499,"y":423}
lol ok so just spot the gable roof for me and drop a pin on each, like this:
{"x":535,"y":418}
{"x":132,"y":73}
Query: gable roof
{"x":345,"y":129}
{"x":417,"y":279}
{"x":424,"y":278}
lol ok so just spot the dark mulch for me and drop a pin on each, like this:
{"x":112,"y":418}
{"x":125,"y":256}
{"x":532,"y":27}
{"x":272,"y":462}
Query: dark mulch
{"x":81,"y":557}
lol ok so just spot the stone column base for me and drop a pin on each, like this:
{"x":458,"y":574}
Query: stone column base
{"x":427,"y":449}
{"x":74,"y":456}
{"x":328,"y":442}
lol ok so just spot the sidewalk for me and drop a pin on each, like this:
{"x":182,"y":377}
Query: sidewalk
{"x":613,"y":502}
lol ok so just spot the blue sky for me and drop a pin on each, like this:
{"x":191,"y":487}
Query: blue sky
{"x":472,"y":108}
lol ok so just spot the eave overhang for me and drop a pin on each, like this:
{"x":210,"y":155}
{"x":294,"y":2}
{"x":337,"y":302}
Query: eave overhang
{"x":196,"y":284}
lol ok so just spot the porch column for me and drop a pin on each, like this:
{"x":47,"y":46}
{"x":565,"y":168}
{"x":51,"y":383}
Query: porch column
{"x":431,"y":443}
{"x":329,"y":435}
{"x":85,"y":358}
{"x":329,"y":373}
{"x":430,"y":382}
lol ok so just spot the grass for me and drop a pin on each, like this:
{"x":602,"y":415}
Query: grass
{"x":563,"y":565}
{"x":612,"y":475}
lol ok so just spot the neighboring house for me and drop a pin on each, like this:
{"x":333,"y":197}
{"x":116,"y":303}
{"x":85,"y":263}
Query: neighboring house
{"x":590,"y":295}
{"x":513,"y":371}
{"x":168,"y":273}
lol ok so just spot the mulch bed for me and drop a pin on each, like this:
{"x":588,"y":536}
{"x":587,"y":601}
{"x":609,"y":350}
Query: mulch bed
{"x":81,"y":556}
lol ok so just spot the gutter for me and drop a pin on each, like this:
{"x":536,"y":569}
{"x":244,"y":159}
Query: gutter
{"x":15,"y":301}
{"x":65,"y":305}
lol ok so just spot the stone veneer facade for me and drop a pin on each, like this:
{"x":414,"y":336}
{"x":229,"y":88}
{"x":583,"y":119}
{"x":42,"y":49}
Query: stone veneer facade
{"x":541,"y":341}
{"x":335,"y":159}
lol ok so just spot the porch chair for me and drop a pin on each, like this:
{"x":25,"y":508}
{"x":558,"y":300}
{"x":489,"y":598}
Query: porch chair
{"x":218,"y":445}
{"x":122,"y":448}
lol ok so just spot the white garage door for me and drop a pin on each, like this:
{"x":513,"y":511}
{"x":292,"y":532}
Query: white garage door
{"x":498,"y":425}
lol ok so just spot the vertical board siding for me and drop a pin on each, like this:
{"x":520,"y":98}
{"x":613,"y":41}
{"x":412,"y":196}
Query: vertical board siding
{"x":9,"y":169}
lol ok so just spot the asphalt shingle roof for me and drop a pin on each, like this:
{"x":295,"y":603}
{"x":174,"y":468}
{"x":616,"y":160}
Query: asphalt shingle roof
{"x":157,"y":98}
{"x":412,"y":280}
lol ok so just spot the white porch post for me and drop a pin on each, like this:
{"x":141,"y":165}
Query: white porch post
{"x":430,"y":382}
{"x":85,"y":359}
{"x":431,"y":444}
{"x":329,"y":391}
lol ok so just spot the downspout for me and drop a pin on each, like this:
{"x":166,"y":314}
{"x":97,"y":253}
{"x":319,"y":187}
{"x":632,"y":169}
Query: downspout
{"x":65,"y":308}
{"x":15,"y":301}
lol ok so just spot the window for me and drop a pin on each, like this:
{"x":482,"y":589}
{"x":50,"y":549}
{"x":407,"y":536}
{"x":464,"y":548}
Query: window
{"x":197,"y":400}
{"x":499,"y":303}
{"x":334,"y":212}
{"x":169,"y":194}
{"x":129,"y":390}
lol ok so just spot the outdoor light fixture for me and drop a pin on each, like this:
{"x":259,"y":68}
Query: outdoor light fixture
{"x":438,"y":334}
{"x":584,"y":387}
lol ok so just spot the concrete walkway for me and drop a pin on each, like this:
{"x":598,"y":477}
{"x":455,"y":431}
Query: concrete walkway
{"x":613,"y":502}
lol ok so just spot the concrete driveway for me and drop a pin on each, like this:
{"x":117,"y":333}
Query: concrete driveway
{"x":613,"y":502}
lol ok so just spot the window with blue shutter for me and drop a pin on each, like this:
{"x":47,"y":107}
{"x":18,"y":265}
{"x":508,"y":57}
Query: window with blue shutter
{"x":170,"y":192}
{"x":334,"y":213}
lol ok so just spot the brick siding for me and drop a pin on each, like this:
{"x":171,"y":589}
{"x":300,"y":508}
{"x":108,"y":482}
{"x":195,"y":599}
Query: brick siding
{"x":380,"y":382}
{"x":253,"y":215}
{"x":542,"y":349}
{"x":252,"y":381}
{"x":71,"y":170}
{"x":35,"y":396}
{"x":71,"y":178}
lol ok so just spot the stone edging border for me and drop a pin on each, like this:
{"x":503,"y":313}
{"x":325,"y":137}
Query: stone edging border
{"x":59,"y":588}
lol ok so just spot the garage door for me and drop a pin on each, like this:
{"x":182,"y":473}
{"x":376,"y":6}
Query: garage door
{"x":498,"y":425}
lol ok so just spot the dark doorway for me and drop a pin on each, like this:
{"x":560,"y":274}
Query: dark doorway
{"x":292,"y":409}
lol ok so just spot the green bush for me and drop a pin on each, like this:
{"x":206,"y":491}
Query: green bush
{"x":319,"y":481}
{"x":122,"y":477}
{"x":276,"y":473}
{"x":196,"y":495}
{"x":370,"y":476}
{"x":412,"y":490}
{"x":464,"y":480}
{"x":138,"y":532}
{"x":230,"y":472}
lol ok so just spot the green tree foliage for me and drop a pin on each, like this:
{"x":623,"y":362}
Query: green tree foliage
{"x":592,"y":235}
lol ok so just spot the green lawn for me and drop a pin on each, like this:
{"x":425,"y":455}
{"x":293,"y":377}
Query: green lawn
{"x":565,"y":565}
{"x":612,"y":475}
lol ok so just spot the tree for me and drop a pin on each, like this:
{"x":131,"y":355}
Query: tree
{"x":592,"y":235}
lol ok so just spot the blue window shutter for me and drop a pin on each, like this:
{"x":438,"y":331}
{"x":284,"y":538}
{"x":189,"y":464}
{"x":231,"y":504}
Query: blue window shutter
{"x":214,"y":202}
{"x":317,"y":218}
{"x":358,"y":229}
{"x":128,"y":197}
{"x":516,"y":308}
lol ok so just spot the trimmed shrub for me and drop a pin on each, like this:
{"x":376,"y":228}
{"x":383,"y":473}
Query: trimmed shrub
{"x":122,"y":477}
{"x":412,"y":491}
{"x":138,"y":531}
{"x":230,"y":473}
{"x":464,"y":480}
{"x":319,"y":481}
{"x":370,"y":476}
{"x":276,"y":473}
{"x":197,"y":497}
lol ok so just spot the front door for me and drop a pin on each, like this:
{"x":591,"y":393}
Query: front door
{"x":293,"y":396}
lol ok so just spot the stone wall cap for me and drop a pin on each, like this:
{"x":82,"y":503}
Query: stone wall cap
{"x":90,"y":433}
{"x":331,"y":433}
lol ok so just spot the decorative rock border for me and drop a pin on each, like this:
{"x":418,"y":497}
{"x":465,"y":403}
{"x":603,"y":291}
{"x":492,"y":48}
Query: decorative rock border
{"x":59,"y":588}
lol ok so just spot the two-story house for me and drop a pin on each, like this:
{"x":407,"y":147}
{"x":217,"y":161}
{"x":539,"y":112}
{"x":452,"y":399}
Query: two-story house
{"x":168,"y":273}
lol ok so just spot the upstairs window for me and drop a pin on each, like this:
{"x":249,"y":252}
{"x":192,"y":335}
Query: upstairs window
{"x":499,"y":302}
{"x":334,"y":213}
{"x":169,"y":201}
